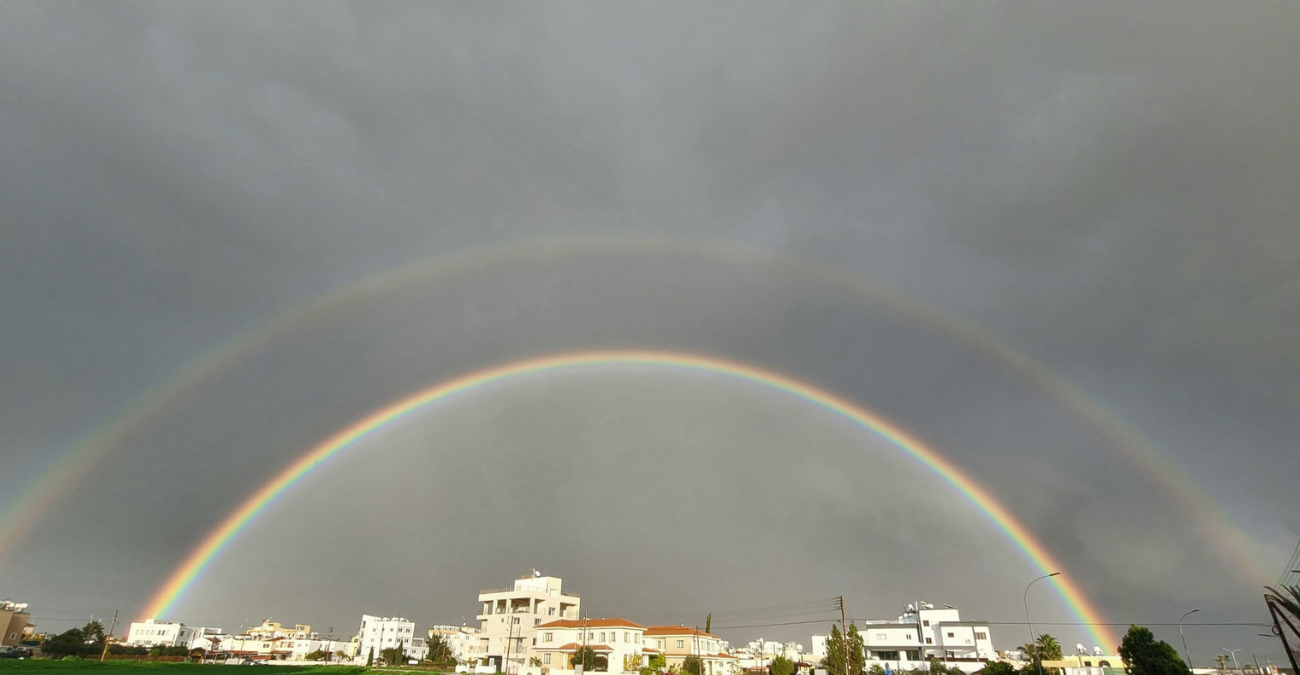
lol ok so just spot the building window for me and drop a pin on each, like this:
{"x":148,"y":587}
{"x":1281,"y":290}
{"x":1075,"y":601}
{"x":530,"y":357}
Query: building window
{"x":536,"y":621}
{"x":514,"y":620}
{"x":981,"y":636}
{"x":550,"y":612}
{"x":950,"y":635}
{"x":546,"y":658}
{"x":680,"y":644}
{"x":925,"y":623}
{"x":547,"y":637}
{"x":880,"y":636}
{"x":929,"y":641}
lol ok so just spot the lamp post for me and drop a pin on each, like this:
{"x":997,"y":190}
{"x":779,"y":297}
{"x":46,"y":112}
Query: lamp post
{"x":1233,"y":652}
{"x":1031,"y":623}
{"x":1186,"y":655}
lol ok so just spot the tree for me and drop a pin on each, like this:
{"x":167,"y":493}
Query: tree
{"x":998,"y":668}
{"x":439,"y":649}
{"x":393,"y":656}
{"x":1143,"y":655}
{"x":71,"y":642}
{"x":631,"y":663}
{"x":692,"y":665}
{"x":1048,"y":648}
{"x":658,"y":662}
{"x":834,"y":660}
{"x":93,"y":631}
{"x":782,"y":666}
{"x":708,"y":623}
{"x":318,"y":655}
{"x":589,"y":659}
{"x":876,"y":669}
{"x":857,"y":651}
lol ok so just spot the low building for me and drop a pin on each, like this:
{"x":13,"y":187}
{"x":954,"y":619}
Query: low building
{"x":923,"y":632}
{"x":13,"y":622}
{"x":273,"y":630}
{"x":154,"y":633}
{"x":678,"y":642}
{"x":620,"y":641}
{"x":460,"y":639}
{"x":334,"y":650}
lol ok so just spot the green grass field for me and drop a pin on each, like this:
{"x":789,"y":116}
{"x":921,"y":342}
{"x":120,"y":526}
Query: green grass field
{"x":50,"y":667}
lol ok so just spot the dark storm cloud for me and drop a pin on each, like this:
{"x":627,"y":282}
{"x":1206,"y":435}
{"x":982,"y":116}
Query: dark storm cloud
{"x":1110,"y":187}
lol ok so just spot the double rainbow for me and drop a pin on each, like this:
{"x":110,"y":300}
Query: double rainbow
{"x":194,"y":565}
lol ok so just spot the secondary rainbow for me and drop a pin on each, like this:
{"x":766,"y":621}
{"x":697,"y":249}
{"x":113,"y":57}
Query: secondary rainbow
{"x":68,"y":468}
{"x":184,"y":576}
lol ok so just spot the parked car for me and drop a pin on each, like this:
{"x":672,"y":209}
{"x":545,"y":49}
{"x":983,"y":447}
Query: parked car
{"x":15,"y":653}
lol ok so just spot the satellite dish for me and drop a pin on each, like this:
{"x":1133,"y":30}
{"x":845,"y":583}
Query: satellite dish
{"x":1081,"y":649}
{"x":911,"y":607}
{"x":1096,"y":651}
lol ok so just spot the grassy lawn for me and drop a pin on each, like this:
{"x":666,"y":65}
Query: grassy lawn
{"x":44,"y":667}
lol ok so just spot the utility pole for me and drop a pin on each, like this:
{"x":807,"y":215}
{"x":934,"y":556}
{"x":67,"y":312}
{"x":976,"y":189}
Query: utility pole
{"x":844,"y":634}
{"x":111,"y":628}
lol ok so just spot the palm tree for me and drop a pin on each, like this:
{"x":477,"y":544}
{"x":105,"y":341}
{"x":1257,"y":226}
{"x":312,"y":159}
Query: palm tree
{"x":1049,"y":648}
{"x":1280,"y":604}
{"x":1292,"y":603}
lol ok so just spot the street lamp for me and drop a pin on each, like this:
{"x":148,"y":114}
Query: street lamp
{"x":1233,"y":652}
{"x":1031,"y":623}
{"x":1186,"y":655}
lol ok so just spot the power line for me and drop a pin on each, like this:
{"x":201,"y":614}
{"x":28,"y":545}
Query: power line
{"x":1291,"y":566}
{"x":1253,"y":624}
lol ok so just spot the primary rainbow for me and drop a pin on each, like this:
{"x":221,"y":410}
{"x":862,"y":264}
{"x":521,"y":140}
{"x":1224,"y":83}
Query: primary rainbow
{"x":219,"y":538}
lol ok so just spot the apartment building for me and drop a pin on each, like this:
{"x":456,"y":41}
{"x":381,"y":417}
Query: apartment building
{"x":510,"y":617}
{"x":13,"y":622}
{"x":620,"y":641}
{"x":678,"y":642}
{"x":380,"y":633}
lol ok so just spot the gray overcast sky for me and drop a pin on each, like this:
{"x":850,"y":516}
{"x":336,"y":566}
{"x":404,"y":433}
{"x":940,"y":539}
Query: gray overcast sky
{"x":1108,"y":187}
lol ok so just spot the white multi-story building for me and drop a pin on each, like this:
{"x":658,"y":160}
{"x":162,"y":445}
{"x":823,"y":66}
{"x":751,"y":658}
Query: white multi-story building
{"x":460,"y":639}
{"x":921,"y":633}
{"x":155,"y":633}
{"x":620,"y":641}
{"x":380,"y":633}
{"x":510,"y":617}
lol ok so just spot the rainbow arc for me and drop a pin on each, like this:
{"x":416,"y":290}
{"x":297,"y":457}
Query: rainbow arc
{"x":228,"y":530}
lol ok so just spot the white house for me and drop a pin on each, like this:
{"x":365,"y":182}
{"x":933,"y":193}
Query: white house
{"x":155,"y":633}
{"x":678,"y":642}
{"x":620,"y":641}
{"x":460,"y":639}
{"x":921,"y":633}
